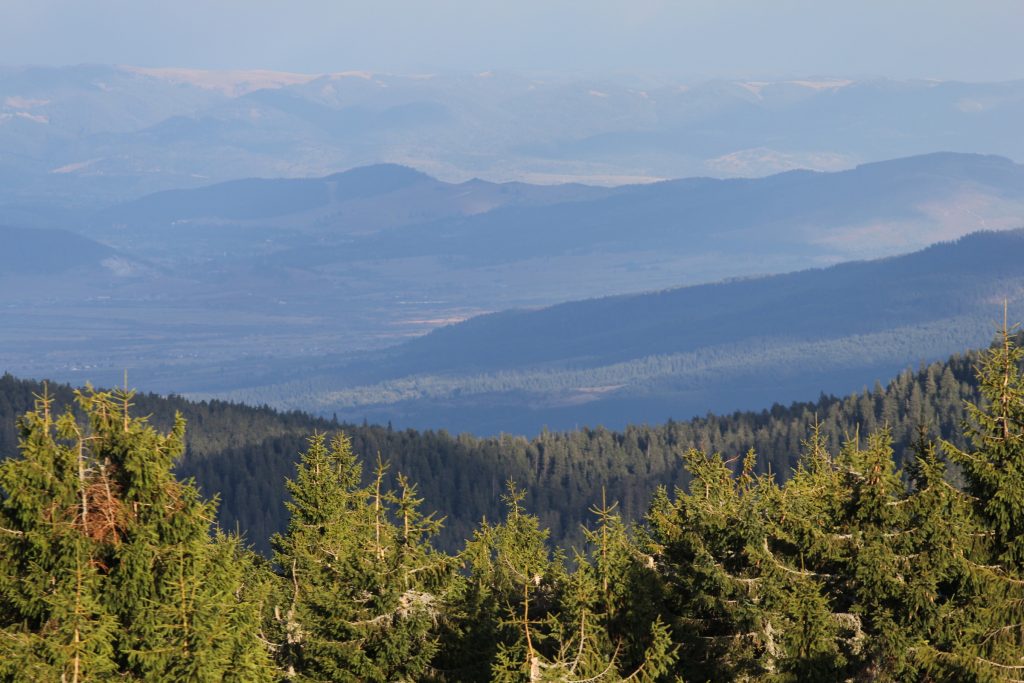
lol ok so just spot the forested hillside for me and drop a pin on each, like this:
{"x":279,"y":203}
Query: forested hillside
{"x":675,"y":353}
{"x":244,"y":453}
{"x":48,"y":252}
{"x":112,"y":568}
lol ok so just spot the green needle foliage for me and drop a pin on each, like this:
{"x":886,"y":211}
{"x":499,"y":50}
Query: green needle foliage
{"x":361,"y":589}
{"x":108,"y":569}
{"x":526,"y":617}
{"x":847,"y":568}
{"x":993,"y":472}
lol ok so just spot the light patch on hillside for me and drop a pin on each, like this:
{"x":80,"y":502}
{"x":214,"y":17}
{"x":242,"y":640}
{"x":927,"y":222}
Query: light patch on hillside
{"x":363,"y":75}
{"x":826,"y":84}
{"x":431,"y":323}
{"x":754,"y":86}
{"x":869,"y":240}
{"x":761,"y":161}
{"x":970,"y":209}
{"x":119,"y":266}
{"x":976,"y":106}
{"x":18,"y":102}
{"x":75,"y":167}
{"x":599,"y":179}
{"x":942,"y":219}
{"x":230,"y":82}
{"x":34,"y":118}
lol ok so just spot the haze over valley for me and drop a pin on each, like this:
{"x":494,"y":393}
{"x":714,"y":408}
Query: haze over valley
{"x":93,"y":135}
{"x":484,"y":245}
{"x":285,"y":291}
{"x":511,"y":342}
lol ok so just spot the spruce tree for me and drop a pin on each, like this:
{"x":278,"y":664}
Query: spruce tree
{"x":362,"y":589}
{"x":942,"y":589}
{"x":993,"y":469}
{"x":107,"y":566}
{"x":704,"y":542}
{"x":801,"y":557}
{"x":993,"y":472}
{"x":526,"y":617}
{"x":508,"y":595}
{"x":877,"y":560}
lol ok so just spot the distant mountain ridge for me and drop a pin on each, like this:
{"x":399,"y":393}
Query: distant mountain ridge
{"x":265,"y":288}
{"x":868,"y":211}
{"x":790,"y":220}
{"x":685,"y":351}
{"x":90,"y":135}
{"x":265,"y":198}
{"x":367,"y":195}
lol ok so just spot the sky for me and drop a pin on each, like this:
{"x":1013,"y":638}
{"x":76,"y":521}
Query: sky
{"x":976,"y":40}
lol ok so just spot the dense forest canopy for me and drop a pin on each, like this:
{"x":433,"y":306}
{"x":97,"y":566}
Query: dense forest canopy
{"x":860,"y":565}
{"x":244,"y":454}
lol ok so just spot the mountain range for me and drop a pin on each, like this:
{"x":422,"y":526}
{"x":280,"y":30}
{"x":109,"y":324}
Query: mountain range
{"x":90,"y":135}
{"x":680,"y":352}
{"x":290,"y":291}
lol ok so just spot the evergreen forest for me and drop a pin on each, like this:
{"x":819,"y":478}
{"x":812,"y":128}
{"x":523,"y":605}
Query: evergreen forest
{"x":244,"y":454}
{"x":884,"y":551}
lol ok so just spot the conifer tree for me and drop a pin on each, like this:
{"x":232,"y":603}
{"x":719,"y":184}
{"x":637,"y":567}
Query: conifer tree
{"x":510,"y":590}
{"x":993,"y":472}
{"x":704,"y":542}
{"x":854,"y":534}
{"x":626,"y":595}
{"x":534,"y":620}
{"x":801,"y":558}
{"x":942,"y":590}
{"x":994,"y":468}
{"x":362,"y":588}
{"x":877,"y":559}
{"x":107,"y":566}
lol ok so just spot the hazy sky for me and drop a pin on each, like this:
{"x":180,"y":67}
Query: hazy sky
{"x":959,"y":39}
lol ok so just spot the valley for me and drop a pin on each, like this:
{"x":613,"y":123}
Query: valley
{"x":314,"y":294}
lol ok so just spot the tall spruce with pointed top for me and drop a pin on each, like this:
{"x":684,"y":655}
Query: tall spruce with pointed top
{"x":993,"y":472}
{"x":107,"y":566}
{"x":361,"y":588}
{"x":625,"y":596}
{"x":942,"y":590}
{"x":993,"y":469}
{"x":509,"y":591}
{"x":702,"y":541}
{"x":878,"y":560}
{"x":800,"y":557}
{"x":525,"y":617}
